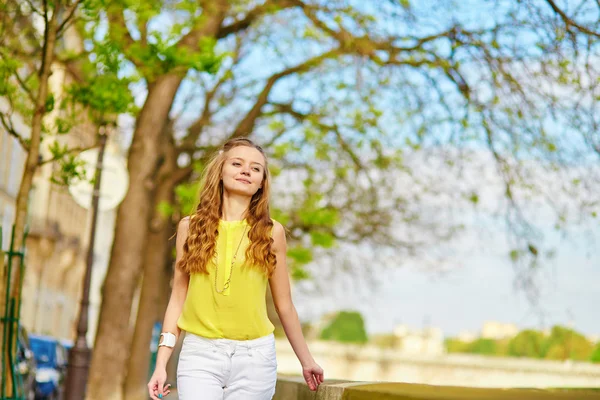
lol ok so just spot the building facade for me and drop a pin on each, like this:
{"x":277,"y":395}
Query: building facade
{"x":12,"y":162}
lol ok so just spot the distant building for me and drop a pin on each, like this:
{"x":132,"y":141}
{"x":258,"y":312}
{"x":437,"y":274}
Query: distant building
{"x":498,"y":330}
{"x":428,"y":341}
{"x":467,"y":336}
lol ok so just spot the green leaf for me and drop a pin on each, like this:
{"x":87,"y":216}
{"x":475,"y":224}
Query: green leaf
{"x":347,"y":327}
{"x":322,"y":239}
{"x":514,"y":255}
{"x":298,"y":273}
{"x":474,"y":198}
{"x":300,"y":255}
{"x":49,"y":104}
{"x":165,"y":209}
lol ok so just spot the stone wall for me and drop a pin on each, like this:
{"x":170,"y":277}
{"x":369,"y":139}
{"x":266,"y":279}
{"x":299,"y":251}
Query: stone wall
{"x":367,"y":363}
{"x":294,"y":388}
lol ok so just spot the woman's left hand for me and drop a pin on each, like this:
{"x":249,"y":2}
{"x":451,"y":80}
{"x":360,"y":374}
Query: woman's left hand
{"x":313,"y":375}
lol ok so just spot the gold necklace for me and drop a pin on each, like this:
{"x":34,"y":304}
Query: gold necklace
{"x":227,"y":283}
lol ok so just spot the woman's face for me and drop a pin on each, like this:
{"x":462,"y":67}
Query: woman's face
{"x":243,"y":170}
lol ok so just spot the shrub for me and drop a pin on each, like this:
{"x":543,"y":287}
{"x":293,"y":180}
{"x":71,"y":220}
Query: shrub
{"x":347,"y":326}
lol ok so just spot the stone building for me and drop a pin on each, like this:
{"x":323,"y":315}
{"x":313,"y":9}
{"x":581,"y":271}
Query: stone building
{"x":427,"y":341}
{"x":58,"y":230}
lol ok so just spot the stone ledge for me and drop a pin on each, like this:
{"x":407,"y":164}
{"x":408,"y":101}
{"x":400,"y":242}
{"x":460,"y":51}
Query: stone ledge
{"x":294,"y":388}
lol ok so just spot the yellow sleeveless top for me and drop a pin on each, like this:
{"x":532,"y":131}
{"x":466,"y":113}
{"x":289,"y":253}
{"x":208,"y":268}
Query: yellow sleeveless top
{"x":240,"y":312}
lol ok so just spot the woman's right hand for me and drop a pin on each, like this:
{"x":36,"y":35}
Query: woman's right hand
{"x":156,"y":387}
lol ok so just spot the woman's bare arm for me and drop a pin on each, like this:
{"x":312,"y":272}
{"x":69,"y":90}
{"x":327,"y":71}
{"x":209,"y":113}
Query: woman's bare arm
{"x":178,"y":294}
{"x":282,"y":297}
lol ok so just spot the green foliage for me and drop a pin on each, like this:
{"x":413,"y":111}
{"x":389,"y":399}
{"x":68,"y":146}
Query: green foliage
{"x":456,"y":346}
{"x":103,"y":92}
{"x":595,"y":357}
{"x":315,"y":215}
{"x":298,"y":272}
{"x":165,"y":209}
{"x":527,"y":343}
{"x":103,"y":96}
{"x":162,"y":56}
{"x":69,"y":167}
{"x":564,"y":343}
{"x":346,"y":326}
{"x":483,"y":346}
{"x":300,"y":254}
{"x":8,"y":66}
{"x":187,"y":197}
{"x":322,"y":239}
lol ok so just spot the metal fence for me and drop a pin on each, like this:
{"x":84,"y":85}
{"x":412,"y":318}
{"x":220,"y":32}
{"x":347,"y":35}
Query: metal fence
{"x":9,"y":321}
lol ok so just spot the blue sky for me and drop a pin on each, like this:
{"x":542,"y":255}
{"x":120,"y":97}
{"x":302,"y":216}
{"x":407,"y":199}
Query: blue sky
{"x":475,"y":285}
{"x":479,"y":284}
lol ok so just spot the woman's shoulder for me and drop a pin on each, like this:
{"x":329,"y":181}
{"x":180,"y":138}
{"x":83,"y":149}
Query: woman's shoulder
{"x":278,"y":231}
{"x":184,"y":225}
{"x":185,"y":221}
{"x":276,"y":224}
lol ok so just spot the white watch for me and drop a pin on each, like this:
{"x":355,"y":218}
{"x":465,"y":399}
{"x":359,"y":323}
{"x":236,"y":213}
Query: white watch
{"x":169,"y":339}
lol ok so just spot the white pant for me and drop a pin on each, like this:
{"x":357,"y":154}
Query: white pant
{"x":224,"y":369}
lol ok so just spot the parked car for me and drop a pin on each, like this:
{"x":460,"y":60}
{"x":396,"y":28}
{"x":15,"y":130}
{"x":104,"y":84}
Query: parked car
{"x":50,"y":356}
{"x":68,"y":345}
{"x":26,"y":365}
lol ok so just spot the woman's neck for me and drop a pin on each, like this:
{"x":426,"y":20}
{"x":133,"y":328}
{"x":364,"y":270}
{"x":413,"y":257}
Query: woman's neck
{"x":234,"y":207}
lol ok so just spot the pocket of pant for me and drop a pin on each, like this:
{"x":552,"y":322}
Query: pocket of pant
{"x":267,"y":354}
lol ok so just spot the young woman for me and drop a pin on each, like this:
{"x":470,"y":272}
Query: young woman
{"x":226,"y":251}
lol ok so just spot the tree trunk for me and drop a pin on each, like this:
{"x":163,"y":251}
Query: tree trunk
{"x":111,"y":350}
{"x":152,"y":306}
{"x":31,"y":164}
{"x":156,"y":281}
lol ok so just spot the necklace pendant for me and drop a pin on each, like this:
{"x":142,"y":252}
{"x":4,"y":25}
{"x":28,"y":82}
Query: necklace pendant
{"x":228,"y":281}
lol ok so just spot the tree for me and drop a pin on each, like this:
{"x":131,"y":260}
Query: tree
{"x":454,"y":345}
{"x":347,"y":327}
{"x":26,"y":58}
{"x":483,"y":346}
{"x":527,"y":343}
{"x":567,"y":344}
{"x":595,"y":357}
{"x":355,"y":111}
{"x":37,"y":38}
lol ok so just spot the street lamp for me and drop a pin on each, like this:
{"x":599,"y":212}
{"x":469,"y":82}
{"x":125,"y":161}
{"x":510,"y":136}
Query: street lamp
{"x":80,"y":354}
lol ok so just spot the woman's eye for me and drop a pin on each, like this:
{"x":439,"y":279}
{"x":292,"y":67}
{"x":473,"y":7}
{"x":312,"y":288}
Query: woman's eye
{"x":256,"y":169}
{"x":237,"y":164}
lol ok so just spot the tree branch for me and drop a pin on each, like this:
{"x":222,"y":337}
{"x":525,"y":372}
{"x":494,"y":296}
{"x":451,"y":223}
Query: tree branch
{"x":194,"y":131}
{"x":246,"y":125}
{"x":569,"y":22}
{"x":118,"y":32}
{"x":34,"y":8}
{"x":182,"y":174}
{"x":69,"y":15}
{"x":253,"y":15}
{"x":216,"y":12}
{"x":287,"y":108}
{"x":12,"y":131}
{"x":24,"y":86}
{"x":70,"y":151}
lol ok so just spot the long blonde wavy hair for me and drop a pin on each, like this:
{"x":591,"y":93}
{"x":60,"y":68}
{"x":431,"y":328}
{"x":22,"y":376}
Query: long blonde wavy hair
{"x":200,"y":245}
